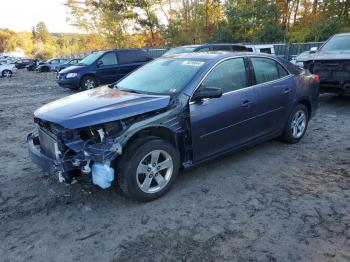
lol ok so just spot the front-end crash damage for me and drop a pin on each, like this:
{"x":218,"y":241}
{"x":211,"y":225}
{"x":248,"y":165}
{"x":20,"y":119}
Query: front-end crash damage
{"x":334,"y":74}
{"x":68,"y":152}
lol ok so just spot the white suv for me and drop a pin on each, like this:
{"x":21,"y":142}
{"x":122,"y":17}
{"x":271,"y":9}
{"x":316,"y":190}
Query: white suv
{"x":7,"y":70}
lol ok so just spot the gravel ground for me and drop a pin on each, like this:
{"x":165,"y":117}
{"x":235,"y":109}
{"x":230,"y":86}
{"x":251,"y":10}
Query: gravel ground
{"x":273,"y":202}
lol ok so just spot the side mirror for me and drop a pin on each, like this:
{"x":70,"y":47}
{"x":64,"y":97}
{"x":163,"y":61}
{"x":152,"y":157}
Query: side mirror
{"x":99,"y":63}
{"x":207,"y":92}
{"x":313,"y":49}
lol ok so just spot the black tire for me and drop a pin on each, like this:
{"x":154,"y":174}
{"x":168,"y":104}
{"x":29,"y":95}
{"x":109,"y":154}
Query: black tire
{"x":45,"y":69}
{"x":287,"y":135}
{"x":7,"y":73}
{"x":88,"y":82}
{"x":128,"y":164}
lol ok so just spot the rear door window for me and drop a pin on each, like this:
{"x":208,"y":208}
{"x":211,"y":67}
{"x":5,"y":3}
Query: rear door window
{"x":229,"y":75}
{"x":238,"y":48}
{"x":109,"y":59}
{"x":267,"y":70}
{"x":132,"y":56}
{"x":265,"y":50}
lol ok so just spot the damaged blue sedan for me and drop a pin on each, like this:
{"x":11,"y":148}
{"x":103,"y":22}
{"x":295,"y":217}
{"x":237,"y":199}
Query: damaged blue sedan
{"x":173,"y":113}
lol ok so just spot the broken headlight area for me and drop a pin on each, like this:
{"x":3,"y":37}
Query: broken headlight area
{"x":88,"y":150}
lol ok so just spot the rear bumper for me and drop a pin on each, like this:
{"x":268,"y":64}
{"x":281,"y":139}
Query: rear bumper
{"x":47,"y":164}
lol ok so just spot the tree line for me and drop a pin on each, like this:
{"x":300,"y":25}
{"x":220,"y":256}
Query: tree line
{"x":174,"y":22}
{"x":153,"y":23}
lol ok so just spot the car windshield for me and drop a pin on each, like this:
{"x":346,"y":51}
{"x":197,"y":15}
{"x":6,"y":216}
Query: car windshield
{"x":337,"y":43}
{"x":90,"y":58}
{"x":181,"y":50}
{"x":162,"y":76}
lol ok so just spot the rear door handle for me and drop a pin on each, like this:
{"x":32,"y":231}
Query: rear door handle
{"x":287,"y":90}
{"x":246,"y":103}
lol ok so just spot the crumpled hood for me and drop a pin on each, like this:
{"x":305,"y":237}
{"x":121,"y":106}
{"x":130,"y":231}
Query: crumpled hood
{"x":327,"y":55}
{"x":100,"y":105}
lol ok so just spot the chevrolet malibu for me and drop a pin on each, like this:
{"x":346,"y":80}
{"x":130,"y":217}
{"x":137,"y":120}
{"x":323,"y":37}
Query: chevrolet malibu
{"x":173,"y":113}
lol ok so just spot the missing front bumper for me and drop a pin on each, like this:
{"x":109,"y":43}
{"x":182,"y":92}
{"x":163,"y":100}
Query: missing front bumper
{"x":46,"y":163}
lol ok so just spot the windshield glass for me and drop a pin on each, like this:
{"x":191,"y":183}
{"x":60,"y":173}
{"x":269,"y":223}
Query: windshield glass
{"x":180,"y":50}
{"x":162,"y":76}
{"x":90,"y":58}
{"x":337,"y":43}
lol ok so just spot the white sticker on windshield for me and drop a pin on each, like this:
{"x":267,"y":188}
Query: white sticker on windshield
{"x":192,"y":63}
{"x":172,"y":90}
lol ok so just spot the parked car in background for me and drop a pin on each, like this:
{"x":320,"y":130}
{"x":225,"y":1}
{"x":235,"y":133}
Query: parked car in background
{"x":33,"y":65}
{"x":267,"y":49}
{"x":7,"y":70}
{"x":22,"y":63}
{"x":206,"y":48}
{"x":175,"y":112}
{"x":68,"y":63}
{"x":102,"y":67}
{"x":51,"y":65}
{"x":332,"y":63}
{"x":297,"y":59}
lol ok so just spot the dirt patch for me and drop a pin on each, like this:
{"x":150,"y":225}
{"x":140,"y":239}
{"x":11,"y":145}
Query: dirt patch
{"x":273,"y":202}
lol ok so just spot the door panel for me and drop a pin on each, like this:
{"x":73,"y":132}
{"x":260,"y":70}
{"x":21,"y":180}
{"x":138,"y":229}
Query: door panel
{"x":108,"y":70}
{"x":274,"y":92}
{"x":220,"y":124}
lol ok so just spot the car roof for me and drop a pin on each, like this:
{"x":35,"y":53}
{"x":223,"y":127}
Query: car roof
{"x":217,"y":55}
{"x":208,"y":44}
{"x":342,"y":34}
{"x":118,"y":49}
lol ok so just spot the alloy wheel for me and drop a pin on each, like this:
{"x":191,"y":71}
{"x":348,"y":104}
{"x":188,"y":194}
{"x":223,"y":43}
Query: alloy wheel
{"x":7,"y":73}
{"x":298,"y":124}
{"x":89,"y":84}
{"x":154,"y":171}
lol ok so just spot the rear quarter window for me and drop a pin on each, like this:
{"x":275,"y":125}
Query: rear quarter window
{"x":132,"y":56}
{"x":265,"y":50}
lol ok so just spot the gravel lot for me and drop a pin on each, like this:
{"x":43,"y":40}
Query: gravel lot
{"x":273,"y":202}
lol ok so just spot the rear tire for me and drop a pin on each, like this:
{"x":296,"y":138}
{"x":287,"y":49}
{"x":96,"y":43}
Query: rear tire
{"x":88,"y":82}
{"x":45,"y":69}
{"x":296,"y":125}
{"x":148,"y":169}
{"x":7,"y":73}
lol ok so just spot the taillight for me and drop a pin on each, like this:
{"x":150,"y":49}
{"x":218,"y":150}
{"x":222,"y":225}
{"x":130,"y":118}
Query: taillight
{"x":316,"y":78}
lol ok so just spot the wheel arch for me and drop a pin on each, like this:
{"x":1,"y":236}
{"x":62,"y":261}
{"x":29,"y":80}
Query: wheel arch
{"x":45,"y":67}
{"x":306,"y":102}
{"x":155,"y":131}
{"x":85,"y":75}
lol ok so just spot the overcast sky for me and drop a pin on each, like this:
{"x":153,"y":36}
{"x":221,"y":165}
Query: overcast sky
{"x":21,"y":15}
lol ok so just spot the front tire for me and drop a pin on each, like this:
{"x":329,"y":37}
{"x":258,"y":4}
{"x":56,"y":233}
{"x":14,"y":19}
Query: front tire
{"x":7,"y":73}
{"x":296,"y":125}
{"x":88,"y":82}
{"x":148,"y":169}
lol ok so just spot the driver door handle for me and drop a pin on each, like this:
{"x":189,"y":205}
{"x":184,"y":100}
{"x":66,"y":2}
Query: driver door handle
{"x":246,"y":103}
{"x":287,"y":90}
